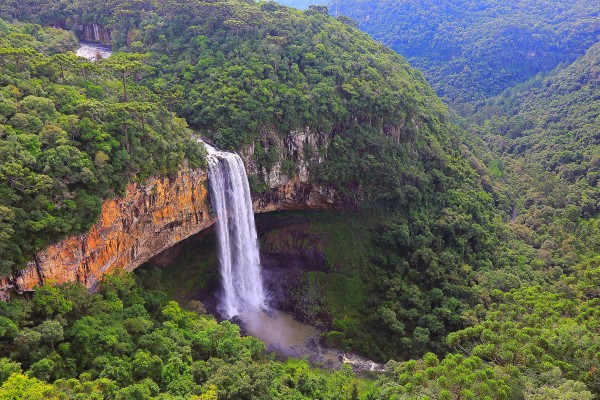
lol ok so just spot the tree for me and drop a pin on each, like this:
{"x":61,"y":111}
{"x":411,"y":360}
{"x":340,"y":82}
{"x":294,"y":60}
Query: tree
{"x":127,"y":65}
{"x":7,"y":368}
{"x":52,"y":332}
{"x":68,"y":61}
{"x":50,"y":301}
{"x":19,"y":386}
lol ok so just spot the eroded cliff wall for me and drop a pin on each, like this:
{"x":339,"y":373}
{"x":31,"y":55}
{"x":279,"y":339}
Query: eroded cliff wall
{"x":150,"y":218}
{"x":290,"y":192}
{"x":159,"y":213}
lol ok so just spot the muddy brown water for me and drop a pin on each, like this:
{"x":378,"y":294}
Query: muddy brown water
{"x":286,"y":336}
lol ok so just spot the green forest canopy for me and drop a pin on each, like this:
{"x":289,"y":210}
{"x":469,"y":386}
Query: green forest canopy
{"x":68,"y":140}
{"x":238,"y":72}
{"x":392,"y":149}
{"x":129,"y":343}
{"x":470,"y":50}
{"x":548,"y":134}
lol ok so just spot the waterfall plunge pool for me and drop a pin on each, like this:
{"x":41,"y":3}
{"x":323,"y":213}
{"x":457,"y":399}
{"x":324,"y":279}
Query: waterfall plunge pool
{"x":284,"y":335}
{"x":189,"y":271}
{"x":247,"y":294}
{"x":243,"y":297}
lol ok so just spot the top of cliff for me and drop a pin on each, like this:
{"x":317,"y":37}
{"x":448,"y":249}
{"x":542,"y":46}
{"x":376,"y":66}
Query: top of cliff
{"x":248,"y":74}
{"x":234,"y":68}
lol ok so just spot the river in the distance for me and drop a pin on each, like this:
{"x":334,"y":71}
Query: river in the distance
{"x":93,"y":51}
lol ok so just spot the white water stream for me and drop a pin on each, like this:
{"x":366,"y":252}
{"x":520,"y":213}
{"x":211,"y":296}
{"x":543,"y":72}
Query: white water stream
{"x":238,"y":243}
{"x":93,"y":51}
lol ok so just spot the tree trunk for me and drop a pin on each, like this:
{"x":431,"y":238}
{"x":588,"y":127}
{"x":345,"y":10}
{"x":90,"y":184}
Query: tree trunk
{"x":125,"y":99}
{"x":126,"y":132}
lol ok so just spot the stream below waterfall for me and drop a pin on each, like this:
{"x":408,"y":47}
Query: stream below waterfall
{"x":242,"y":297}
{"x":190,"y":270}
{"x":284,"y":335}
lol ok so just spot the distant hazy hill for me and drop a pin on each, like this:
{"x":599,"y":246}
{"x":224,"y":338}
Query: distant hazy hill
{"x":471,"y":49}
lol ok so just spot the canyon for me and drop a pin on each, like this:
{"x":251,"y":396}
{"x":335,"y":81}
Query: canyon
{"x":155,"y":215}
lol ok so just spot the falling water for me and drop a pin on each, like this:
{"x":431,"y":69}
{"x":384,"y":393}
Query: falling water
{"x":238,"y":244}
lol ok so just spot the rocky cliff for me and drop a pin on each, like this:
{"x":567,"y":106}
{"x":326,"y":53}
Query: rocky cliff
{"x":290,"y":189}
{"x":154,"y":216}
{"x":94,"y":33}
{"x":148,"y":219}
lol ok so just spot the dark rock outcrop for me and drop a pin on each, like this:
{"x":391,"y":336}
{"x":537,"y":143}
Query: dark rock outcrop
{"x":94,"y":33}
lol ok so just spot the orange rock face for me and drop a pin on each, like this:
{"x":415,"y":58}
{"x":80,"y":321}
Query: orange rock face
{"x":150,"y":218}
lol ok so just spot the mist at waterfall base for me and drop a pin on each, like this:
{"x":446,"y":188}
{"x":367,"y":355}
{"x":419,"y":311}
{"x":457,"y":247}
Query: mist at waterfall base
{"x":93,"y":51}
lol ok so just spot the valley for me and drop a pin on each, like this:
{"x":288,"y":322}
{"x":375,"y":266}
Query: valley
{"x":449,"y":233}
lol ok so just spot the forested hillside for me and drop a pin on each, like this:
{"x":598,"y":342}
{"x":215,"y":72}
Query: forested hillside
{"x":125,"y":343}
{"x":470,"y":50}
{"x":548,"y":132}
{"x":429,"y":254}
{"x":67,"y":139}
{"x":247,"y":74}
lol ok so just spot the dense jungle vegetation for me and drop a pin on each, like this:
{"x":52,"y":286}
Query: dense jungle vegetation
{"x":248,"y":74}
{"x":470,"y":50}
{"x":127,"y":343}
{"x":540,"y":133}
{"x":540,"y":138}
{"x":425,"y":261}
{"x":67,"y":139}
{"x":548,"y":135}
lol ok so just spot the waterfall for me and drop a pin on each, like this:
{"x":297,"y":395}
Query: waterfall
{"x":96,"y":32}
{"x":238,"y":243}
